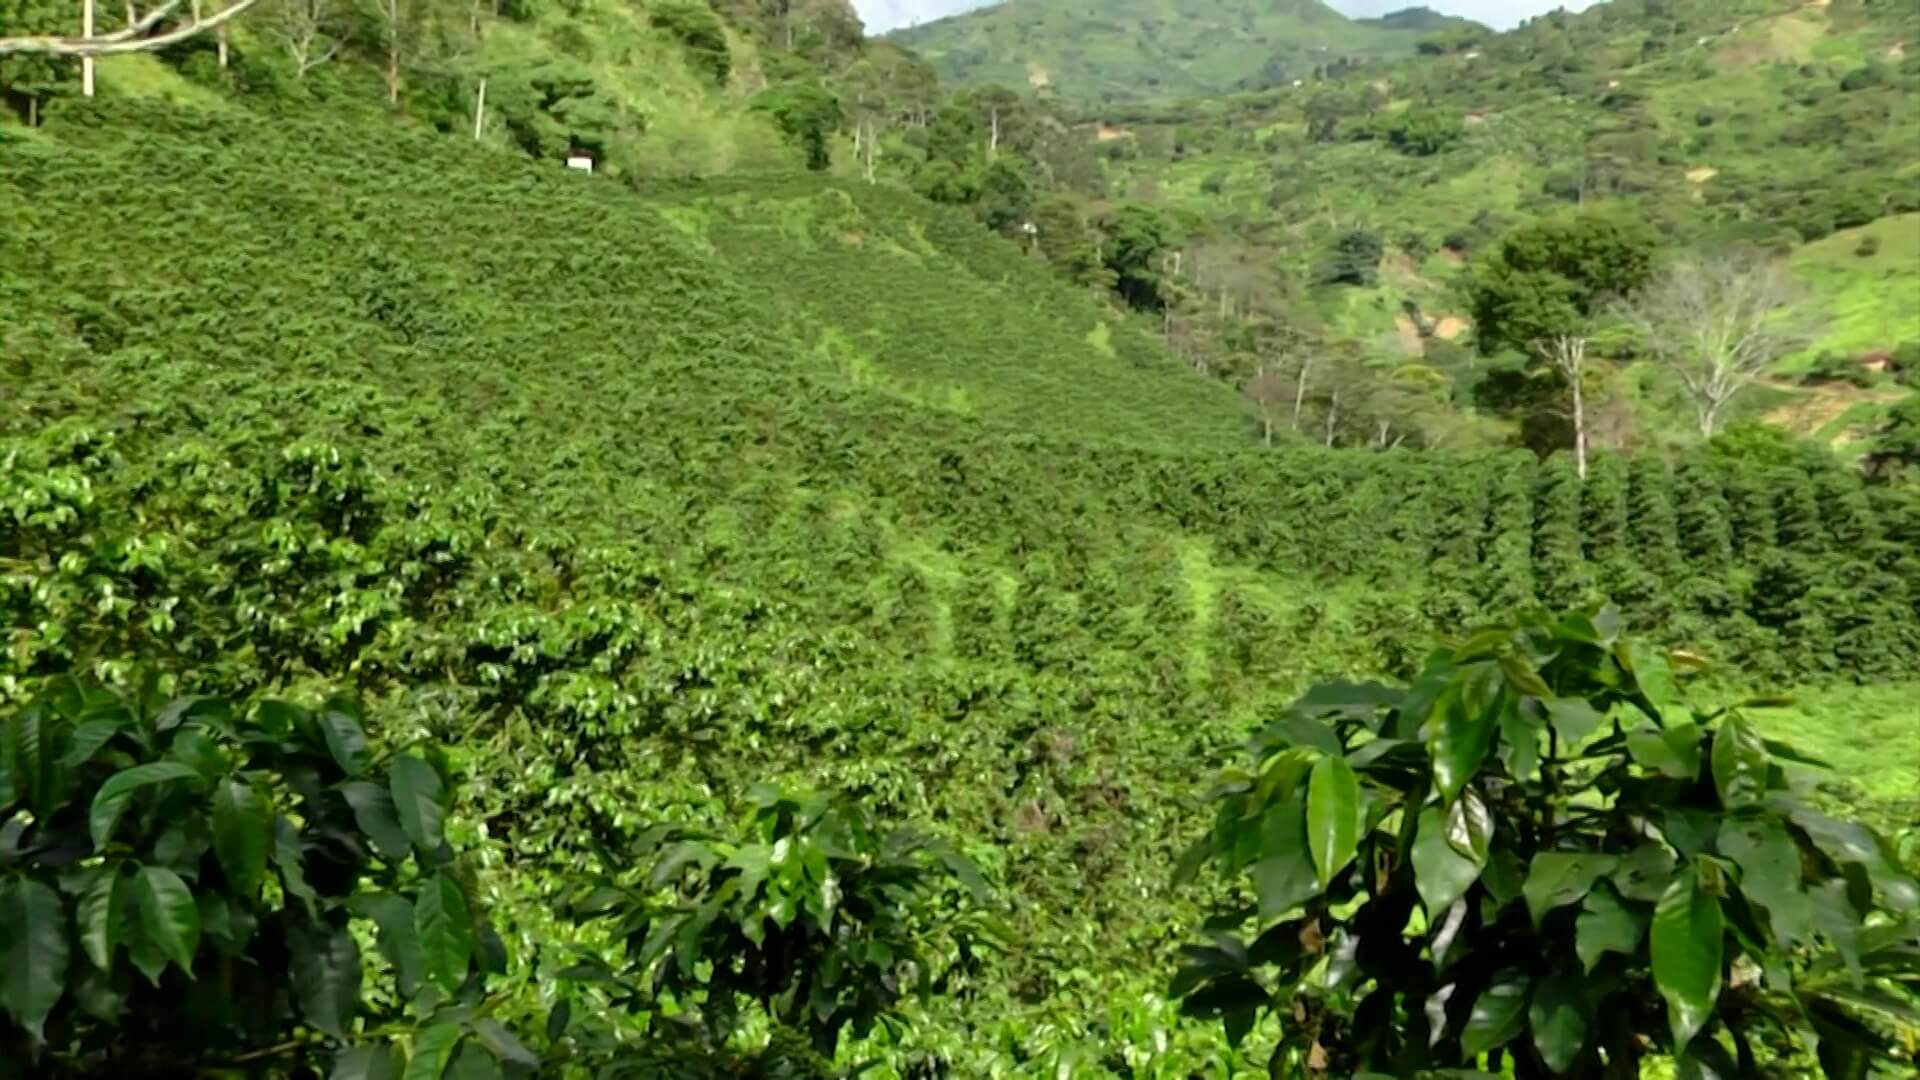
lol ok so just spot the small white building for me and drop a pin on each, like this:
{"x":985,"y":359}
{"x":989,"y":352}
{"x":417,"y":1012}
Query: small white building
{"x":581,"y":162}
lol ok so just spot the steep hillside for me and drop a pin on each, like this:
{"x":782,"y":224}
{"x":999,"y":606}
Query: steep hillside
{"x":642,"y":497}
{"x":1120,"y":50}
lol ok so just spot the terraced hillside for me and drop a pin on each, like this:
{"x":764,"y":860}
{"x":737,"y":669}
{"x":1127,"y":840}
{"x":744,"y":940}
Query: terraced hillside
{"x":615,"y":492}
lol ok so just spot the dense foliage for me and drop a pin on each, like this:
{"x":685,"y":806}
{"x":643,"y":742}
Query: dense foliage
{"x":1540,"y":852}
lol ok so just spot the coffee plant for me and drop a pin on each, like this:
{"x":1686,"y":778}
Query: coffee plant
{"x":1539,"y":856}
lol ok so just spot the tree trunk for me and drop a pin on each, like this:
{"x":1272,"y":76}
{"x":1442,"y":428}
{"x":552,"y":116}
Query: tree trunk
{"x":1333,"y":414}
{"x":393,"y":67}
{"x":86,"y":62}
{"x":1579,"y":428}
{"x":1300,"y":390}
{"x":993,"y":132}
{"x":480,"y":108}
{"x":33,"y":111}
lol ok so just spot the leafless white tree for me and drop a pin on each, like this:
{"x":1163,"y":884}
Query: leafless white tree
{"x":1568,"y":355}
{"x":128,"y":39}
{"x":1717,"y":323}
{"x":311,"y":31}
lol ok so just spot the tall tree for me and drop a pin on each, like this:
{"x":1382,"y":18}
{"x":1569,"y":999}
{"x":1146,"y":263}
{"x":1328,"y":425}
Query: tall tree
{"x":311,"y":31}
{"x":1543,"y":289}
{"x":1717,"y":323}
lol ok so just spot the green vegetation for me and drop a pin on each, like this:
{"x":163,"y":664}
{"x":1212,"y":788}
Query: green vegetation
{"x":634,"y":497}
{"x":1126,"y":50}
{"x":769,"y":608}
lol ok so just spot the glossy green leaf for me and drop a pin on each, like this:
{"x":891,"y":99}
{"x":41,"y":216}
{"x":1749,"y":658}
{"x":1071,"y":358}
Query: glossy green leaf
{"x":431,"y":1052}
{"x":1284,"y":877}
{"x":445,"y":928}
{"x":1558,"y":878}
{"x":242,"y":834}
{"x":1655,"y":675}
{"x":34,"y":951}
{"x":1499,"y":1014}
{"x":398,"y":936}
{"x":1440,"y":872}
{"x":289,"y":856}
{"x":1470,"y":827}
{"x":112,"y":798}
{"x":1674,"y":751}
{"x":168,"y":916}
{"x":1461,"y":731}
{"x":1740,"y":764}
{"x":1558,"y":1018}
{"x":1644,"y":872}
{"x":366,"y":1063}
{"x":1573,"y":719}
{"x":1770,"y":875}
{"x":1686,"y":945}
{"x":1333,"y":816}
{"x":419,"y":798}
{"x":376,"y":815}
{"x":345,"y":740}
{"x":1606,"y":924}
{"x":101,"y":912}
{"x":326,"y":975}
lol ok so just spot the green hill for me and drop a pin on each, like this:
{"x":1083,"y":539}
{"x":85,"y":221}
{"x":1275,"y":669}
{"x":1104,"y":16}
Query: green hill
{"x":1120,"y":50}
{"x":641,"y":496}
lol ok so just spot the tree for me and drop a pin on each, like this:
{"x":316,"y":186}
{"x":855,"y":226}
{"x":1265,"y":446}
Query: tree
{"x":806,"y":114}
{"x":1354,"y":260}
{"x":1542,"y":856}
{"x":1543,"y":289}
{"x":31,"y":79}
{"x":1136,"y":238}
{"x":311,"y":31}
{"x":1895,"y":451}
{"x":1716,"y":323}
{"x":131,"y":38}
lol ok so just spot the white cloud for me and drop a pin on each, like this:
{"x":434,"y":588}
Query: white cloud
{"x":881,"y":16}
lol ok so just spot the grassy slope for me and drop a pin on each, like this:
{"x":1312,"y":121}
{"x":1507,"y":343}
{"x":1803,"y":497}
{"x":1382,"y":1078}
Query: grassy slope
{"x":1131,"y":49}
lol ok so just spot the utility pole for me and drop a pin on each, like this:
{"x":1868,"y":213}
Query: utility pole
{"x":480,"y":108}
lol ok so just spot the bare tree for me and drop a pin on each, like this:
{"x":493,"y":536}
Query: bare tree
{"x":129,"y":39}
{"x":1718,"y":323}
{"x":1267,"y":390}
{"x":311,"y":31}
{"x":1567,"y":352}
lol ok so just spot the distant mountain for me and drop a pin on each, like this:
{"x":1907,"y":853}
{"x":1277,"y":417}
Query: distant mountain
{"x":1418,"y":20}
{"x":1122,"y":50}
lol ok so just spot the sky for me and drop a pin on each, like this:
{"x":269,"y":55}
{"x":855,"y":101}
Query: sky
{"x":884,"y":15}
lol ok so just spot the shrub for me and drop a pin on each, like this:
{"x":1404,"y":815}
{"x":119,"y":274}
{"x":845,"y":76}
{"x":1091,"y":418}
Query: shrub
{"x":1542,"y":852}
{"x":187,"y":883}
{"x":1868,"y":246}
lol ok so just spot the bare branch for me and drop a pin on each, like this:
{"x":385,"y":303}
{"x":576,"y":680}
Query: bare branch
{"x":127,"y":40}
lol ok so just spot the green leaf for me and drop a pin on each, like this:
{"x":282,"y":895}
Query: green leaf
{"x":1770,"y":874}
{"x":1573,"y":718}
{"x":501,"y":1043}
{"x":1284,"y":877}
{"x":398,"y":936}
{"x":289,"y":854}
{"x":87,"y":739}
{"x":102,"y":910}
{"x":1654,"y":673}
{"x":1606,"y":924}
{"x":471,"y":1061}
{"x":1461,"y":731}
{"x":242,"y":833}
{"x":1498,"y":1015}
{"x":1440,"y":872}
{"x":378,"y":818}
{"x":1686,"y":944}
{"x":1644,"y":872}
{"x":1333,"y":816}
{"x":1470,"y":827}
{"x":168,"y":916}
{"x":1673,"y":751}
{"x":431,"y":1052}
{"x":1740,"y":764}
{"x":1558,"y":1017}
{"x":111,"y":800}
{"x":345,"y":741}
{"x":420,"y":799}
{"x":446,"y":932}
{"x":1558,"y":878}
{"x":326,"y":975}
{"x":34,"y":951}
{"x":366,"y":1063}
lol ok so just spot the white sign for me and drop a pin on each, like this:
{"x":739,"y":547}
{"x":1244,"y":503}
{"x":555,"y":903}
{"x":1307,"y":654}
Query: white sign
{"x":584,"y":164}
